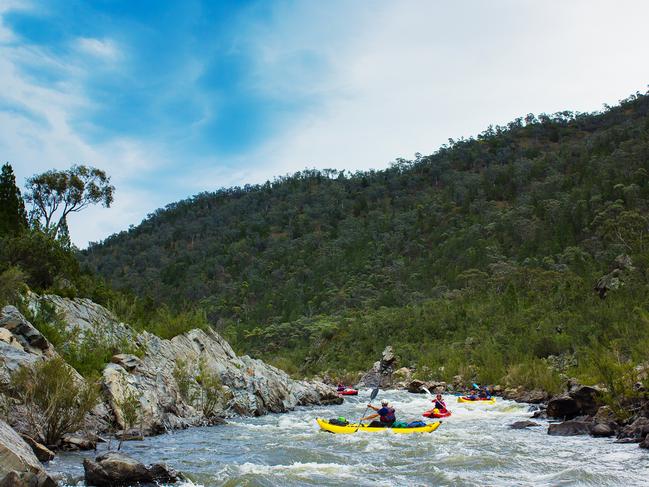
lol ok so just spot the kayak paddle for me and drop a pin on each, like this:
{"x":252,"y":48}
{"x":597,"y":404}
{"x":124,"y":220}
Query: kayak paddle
{"x":375,"y":392}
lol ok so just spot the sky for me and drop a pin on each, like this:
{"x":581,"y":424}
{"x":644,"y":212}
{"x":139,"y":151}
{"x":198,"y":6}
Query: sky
{"x":172,"y":98}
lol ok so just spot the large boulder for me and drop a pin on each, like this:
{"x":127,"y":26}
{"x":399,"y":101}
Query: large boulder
{"x":43,"y":453}
{"x":30,"y":339}
{"x":620,"y":269}
{"x":602,"y":430}
{"x":569,"y":428}
{"x":636,"y":431}
{"x":380,"y":375}
{"x":519,"y":425}
{"x":579,"y":400}
{"x":21,"y":343}
{"x":18,"y":464}
{"x":85,"y":316}
{"x":115,"y":469}
{"x":415,"y":386}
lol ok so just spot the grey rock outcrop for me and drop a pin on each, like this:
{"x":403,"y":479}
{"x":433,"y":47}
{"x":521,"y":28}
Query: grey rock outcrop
{"x":167,"y":377}
{"x":20,"y":343}
{"x":636,"y":431}
{"x":249,"y":386}
{"x":43,"y":453}
{"x":602,"y":430}
{"x":115,"y":469}
{"x":569,"y":428}
{"x":620,"y":269}
{"x":86,"y":316}
{"x":519,"y":425}
{"x":380,"y":375}
{"x":18,"y":464}
{"x":579,"y":400}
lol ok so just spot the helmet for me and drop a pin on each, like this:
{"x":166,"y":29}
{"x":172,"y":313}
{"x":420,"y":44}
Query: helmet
{"x":384,"y":402}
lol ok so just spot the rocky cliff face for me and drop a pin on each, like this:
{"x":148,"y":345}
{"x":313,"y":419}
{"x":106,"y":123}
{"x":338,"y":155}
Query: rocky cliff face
{"x":168,"y":378}
{"x":245,"y":386}
{"x":194,"y":378}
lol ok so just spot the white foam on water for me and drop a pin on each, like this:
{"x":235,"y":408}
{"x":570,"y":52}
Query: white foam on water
{"x":307,"y":469}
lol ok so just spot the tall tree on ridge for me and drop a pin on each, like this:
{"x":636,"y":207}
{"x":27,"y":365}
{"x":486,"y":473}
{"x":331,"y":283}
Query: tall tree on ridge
{"x":13,"y":218}
{"x":55,"y":194}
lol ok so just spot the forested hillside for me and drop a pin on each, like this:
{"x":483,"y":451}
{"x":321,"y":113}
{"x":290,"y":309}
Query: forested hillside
{"x":477,"y":258}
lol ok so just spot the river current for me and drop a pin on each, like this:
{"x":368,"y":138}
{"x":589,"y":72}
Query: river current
{"x":475,"y":446}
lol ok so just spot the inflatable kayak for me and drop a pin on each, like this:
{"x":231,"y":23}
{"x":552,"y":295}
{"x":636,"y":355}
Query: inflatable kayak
{"x":481,"y":401}
{"x":351,"y":428}
{"x":348,"y":392}
{"x":436,"y":413}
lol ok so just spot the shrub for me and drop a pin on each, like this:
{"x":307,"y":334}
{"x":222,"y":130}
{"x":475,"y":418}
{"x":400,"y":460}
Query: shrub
{"x":55,"y":401}
{"x":534,"y":374}
{"x":184,"y":379}
{"x":212,"y":391}
{"x":131,"y":408}
{"x":12,"y":284}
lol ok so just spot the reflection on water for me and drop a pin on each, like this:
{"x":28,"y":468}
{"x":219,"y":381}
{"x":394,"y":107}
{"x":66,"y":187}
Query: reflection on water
{"x":474,"y":446}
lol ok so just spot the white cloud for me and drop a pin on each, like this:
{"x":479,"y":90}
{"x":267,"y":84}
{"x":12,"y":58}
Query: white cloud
{"x":105,"y":49}
{"x":404,"y":77}
{"x":37,"y":133}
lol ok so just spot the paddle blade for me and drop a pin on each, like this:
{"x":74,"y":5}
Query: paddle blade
{"x":427,"y":391}
{"x":375,"y":392}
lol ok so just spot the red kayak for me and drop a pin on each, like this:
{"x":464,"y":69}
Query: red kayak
{"x":348,"y":392}
{"x":432,"y":413}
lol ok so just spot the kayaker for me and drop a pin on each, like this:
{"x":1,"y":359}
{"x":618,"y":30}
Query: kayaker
{"x":483,"y":394}
{"x":385,"y":413}
{"x":439,"y":403}
{"x":473,"y":395}
{"x":341,"y":387}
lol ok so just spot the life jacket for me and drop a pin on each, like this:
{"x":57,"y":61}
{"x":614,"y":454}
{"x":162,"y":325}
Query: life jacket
{"x":439,"y":404}
{"x":389,"y":417}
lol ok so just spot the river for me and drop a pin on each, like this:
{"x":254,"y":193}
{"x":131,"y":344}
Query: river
{"x":473,"y":447}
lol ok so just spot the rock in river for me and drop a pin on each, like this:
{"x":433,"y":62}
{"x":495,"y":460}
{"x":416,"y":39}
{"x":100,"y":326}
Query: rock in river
{"x":115,"y":469}
{"x":569,"y":428}
{"x":519,"y":425}
{"x":18,"y":464}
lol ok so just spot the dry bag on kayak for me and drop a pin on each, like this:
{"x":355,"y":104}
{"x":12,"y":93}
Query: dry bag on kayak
{"x":416,"y":424}
{"x":399,"y":424}
{"x":339,"y":422}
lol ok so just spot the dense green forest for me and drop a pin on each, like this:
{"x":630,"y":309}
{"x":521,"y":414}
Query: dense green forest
{"x":476,"y":259}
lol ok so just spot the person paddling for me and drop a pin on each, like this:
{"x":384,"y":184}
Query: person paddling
{"x":483,"y":394}
{"x":438,"y":403}
{"x":385,"y":413}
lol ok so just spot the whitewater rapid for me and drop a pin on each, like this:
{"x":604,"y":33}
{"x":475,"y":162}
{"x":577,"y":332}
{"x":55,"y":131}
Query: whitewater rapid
{"x":474,"y":446}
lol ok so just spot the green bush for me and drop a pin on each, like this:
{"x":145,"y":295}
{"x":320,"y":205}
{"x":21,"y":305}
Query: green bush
{"x":12,"y":285}
{"x":56,"y":402}
{"x":534,"y":374}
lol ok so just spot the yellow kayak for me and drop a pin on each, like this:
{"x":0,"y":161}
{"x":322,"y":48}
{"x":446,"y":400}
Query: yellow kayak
{"x":351,"y":428}
{"x":477,"y":401}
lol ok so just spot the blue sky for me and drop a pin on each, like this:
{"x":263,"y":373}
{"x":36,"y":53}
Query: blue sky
{"x":174,"y":98}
